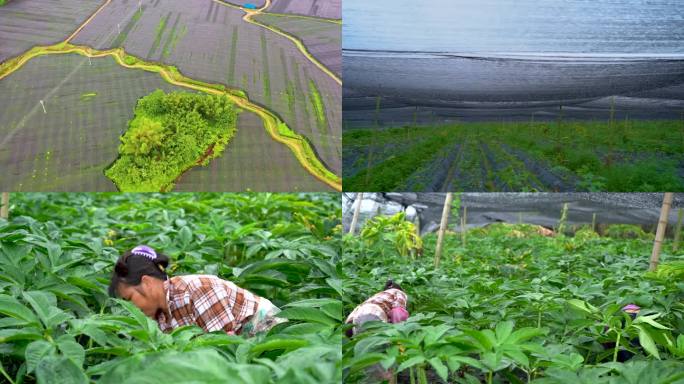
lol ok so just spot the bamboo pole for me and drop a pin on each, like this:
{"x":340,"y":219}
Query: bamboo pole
{"x":463,"y":225}
{"x":357,"y":210}
{"x":678,"y":229}
{"x":563,"y":219}
{"x":660,"y":233}
{"x":593,"y":222}
{"x":4,"y":206}
{"x":442,"y":226}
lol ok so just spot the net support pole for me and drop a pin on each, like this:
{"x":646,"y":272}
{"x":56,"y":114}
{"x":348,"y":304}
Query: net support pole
{"x":357,"y":210}
{"x":660,"y":232}
{"x":442,"y":226}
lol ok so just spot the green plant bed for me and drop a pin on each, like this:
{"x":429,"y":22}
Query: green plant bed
{"x":169,"y":134}
{"x":508,"y":305}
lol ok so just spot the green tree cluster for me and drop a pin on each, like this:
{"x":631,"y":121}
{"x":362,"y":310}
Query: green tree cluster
{"x":169,"y":134}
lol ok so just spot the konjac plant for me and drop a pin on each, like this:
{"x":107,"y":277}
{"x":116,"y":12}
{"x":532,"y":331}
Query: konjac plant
{"x":58,"y":324}
{"x":510,"y":305}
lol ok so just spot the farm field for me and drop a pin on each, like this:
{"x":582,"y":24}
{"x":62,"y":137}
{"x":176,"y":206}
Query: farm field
{"x":57,"y":252}
{"x":260,"y":174}
{"x":331,"y":9}
{"x":24,"y":24}
{"x":615,"y":155}
{"x":88,"y":104}
{"x":511,"y":305}
{"x":267,"y":66}
{"x":322,"y":37}
{"x":297,"y":101}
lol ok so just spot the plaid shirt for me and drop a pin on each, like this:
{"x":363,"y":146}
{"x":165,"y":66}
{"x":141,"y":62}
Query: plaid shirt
{"x":379,"y":305}
{"x":208,"y":302}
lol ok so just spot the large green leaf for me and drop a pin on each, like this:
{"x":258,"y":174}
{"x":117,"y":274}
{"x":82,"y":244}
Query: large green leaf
{"x":71,"y":349}
{"x":41,"y":302}
{"x":307,"y":314}
{"x":59,"y":370}
{"x":274,"y":344}
{"x":199,"y":366}
{"x":35,"y":352}
{"x":10,"y":306}
{"x":647,"y":342}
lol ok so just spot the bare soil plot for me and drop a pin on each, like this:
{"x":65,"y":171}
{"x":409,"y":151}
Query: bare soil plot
{"x":251,"y":161}
{"x":322,"y":38}
{"x":210,"y":42}
{"x":330,"y":9}
{"x":25,"y":24}
{"x":88,"y":106}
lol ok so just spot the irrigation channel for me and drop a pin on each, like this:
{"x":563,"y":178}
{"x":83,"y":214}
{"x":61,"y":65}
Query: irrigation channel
{"x":275,"y":127}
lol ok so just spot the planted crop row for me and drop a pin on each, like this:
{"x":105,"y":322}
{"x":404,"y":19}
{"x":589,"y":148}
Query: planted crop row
{"x":508,"y":304}
{"x":57,"y":254}
{"x":299,"y":146}
{"x":593,"y":156}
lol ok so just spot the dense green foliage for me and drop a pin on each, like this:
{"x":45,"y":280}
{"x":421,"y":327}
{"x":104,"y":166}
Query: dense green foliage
{"x":618,"y":156}
{"x":169,"y":134}
{"x":513,"y":306}
{"x":59,"y":326}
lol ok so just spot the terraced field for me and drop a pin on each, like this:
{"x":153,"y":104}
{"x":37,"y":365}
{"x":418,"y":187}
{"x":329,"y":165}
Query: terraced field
{"x":24,"y":24}
{"x":67,"y":146}
{"x":210,"y":41}
{"x":274,"y":169}
{"x":534,"y":156}
{"x":214,"y":45}
{"x":331,"y":9}
{"x":322,"y":37}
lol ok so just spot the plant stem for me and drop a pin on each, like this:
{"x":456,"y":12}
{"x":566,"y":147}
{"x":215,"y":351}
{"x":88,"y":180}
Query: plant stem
{"x":422,"y":376}
{"x":539,"y":314}
{"x":2,"y":370}
{"x":412,"y":377}
{"x":617,"y":347}
{"x":490,"y":375}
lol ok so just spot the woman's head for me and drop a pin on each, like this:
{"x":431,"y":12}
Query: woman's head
{"x":392,"y":285}
{"x":139,"y":277}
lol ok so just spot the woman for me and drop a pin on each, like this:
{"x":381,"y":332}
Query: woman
{"x":203,"y":300}
{"x":386,"y":306}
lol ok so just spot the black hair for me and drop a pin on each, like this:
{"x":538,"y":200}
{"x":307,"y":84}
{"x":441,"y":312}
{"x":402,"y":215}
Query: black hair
{"x":391,"y":284}
{"x":130,"y":268}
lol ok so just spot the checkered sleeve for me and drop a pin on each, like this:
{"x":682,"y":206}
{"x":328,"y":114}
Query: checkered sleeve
{"x":399,"y":299}
{"x":212,"y":308}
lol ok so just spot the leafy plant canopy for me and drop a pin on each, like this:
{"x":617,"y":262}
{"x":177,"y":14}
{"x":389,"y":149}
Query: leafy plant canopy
{"x":59,"y":326}
{"x":514,"y":306}
{"x":170,"y":134}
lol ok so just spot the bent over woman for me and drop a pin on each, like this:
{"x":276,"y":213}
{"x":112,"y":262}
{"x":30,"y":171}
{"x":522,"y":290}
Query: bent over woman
{"x":203,"y":300}
{"x":386,"y":306}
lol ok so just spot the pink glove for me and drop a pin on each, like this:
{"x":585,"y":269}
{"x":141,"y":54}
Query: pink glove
{"x":398,"y":314}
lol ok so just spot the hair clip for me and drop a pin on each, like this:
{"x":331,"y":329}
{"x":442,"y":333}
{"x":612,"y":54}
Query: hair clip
{"x":144,"y":250}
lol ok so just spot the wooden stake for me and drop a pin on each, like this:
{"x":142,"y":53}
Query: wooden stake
{"x":463,"y":225}
{"x":678,"y":229}
{"x":660,"y":233}
{"x":357,"y":210}
{"x":418,"y":252}
{"x":4,"y":206}
{"x":442,"y":226}
{"x":563,"y":219}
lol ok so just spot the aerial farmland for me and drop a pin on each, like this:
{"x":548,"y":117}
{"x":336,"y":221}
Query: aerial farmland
{"x":259,"y":82}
